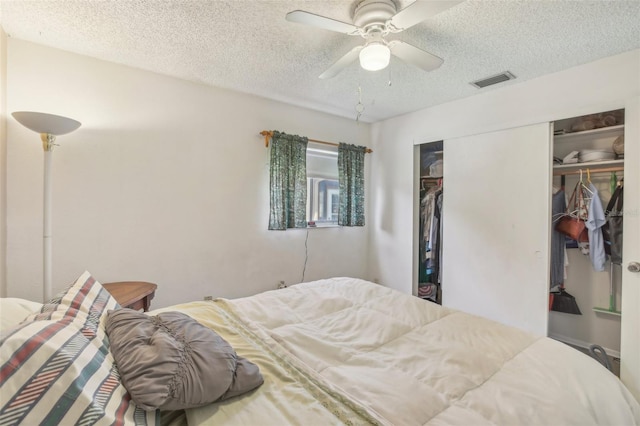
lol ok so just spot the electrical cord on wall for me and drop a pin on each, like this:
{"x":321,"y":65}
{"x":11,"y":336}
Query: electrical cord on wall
{"x":306,"y":255}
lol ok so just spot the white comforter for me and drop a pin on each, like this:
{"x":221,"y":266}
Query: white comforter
{"x":348,"y":351}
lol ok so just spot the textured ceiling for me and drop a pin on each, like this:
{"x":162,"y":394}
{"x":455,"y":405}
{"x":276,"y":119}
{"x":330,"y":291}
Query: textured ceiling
{"x":248,"y":46}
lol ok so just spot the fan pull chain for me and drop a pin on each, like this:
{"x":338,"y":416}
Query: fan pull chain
{"x":359,"y":105}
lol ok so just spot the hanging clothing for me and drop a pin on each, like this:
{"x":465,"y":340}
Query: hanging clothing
{"x":427,"y":205}
{"x":612,"y":230}
{"x":558,"y":245}
{"x":430,"y":236}
{"x":427,"y":208}
{"x":434,"y":245}
{"x":438,"y":213}
{"x":595,"y":221}
{"x":566,"y":262}
{"x":435,"y":222}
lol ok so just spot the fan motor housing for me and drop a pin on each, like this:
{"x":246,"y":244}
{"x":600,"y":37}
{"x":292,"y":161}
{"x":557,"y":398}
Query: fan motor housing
{"x":373,"y":12}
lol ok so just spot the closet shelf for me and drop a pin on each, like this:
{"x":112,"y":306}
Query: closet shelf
{"x":593,"y":166}
{"x":603,"y":132}
{"x":608,"y":312}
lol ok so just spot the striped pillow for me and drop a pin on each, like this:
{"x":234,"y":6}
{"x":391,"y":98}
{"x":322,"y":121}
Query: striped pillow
{"x":57,"y":369}
{"x":85,"y":303}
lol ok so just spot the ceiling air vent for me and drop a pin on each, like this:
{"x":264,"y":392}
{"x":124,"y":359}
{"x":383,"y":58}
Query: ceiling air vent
{"x":495,"y":79}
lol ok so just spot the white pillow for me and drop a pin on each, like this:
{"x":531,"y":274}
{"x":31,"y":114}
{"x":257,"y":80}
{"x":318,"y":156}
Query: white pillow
{"x":13,"y":311}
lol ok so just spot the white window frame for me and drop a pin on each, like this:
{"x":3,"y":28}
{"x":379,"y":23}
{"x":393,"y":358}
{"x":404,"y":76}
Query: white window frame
{"x":322,"y":199}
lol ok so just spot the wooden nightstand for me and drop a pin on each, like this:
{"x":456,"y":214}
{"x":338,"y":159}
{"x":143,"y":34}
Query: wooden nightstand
{"x":132,"y":294}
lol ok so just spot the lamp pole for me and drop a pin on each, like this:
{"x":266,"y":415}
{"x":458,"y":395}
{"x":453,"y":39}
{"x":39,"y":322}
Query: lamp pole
{"x":47,"y":233}
{"x":49,"y":126}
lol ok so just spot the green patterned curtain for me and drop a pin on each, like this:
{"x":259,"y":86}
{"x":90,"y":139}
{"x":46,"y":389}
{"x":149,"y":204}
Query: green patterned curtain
{"x":351,"y":181}
{"x":288,"y":175}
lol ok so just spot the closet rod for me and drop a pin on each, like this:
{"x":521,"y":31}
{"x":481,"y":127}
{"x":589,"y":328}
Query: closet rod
{"x":269,"y":134}
{"x":577,"y":172}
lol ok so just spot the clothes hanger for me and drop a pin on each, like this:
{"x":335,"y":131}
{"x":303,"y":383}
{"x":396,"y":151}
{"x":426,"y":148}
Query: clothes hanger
{"x":582,"y":182}
{"x":573,"y":203}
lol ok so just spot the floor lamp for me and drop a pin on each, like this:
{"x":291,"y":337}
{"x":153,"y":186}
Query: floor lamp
{"x":49,"y":126}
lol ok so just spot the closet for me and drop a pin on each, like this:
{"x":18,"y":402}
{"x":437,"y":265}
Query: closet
{"x":429,"y":256}
{"x":497,"y":227}
{"x":588,"y":159}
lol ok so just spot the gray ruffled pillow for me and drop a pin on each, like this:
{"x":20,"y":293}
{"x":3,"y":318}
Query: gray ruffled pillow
{"x":172,"y":362}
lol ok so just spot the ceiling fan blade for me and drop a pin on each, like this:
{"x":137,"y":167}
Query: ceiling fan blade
{"x":420,"y":10}
{"x":341,"y":63}
{"x":414,"y":56}
{"x":302,"y":17}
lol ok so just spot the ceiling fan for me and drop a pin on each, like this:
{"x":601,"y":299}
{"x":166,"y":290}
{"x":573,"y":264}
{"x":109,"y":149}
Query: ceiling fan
{"x":373,"y":20}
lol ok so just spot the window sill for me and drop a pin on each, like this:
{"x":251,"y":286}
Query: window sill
{"x":323,"y":225}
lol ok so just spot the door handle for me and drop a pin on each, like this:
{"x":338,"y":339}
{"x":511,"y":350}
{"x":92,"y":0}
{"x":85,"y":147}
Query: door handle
{"x":634,"y":267}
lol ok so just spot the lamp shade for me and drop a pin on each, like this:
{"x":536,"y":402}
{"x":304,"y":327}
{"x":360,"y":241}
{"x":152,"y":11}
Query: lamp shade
{"x":46,"y":123}
{"x":375,"y":56}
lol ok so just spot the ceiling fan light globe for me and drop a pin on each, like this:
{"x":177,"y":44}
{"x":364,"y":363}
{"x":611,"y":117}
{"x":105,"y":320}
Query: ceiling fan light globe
{"x":375,"y":56}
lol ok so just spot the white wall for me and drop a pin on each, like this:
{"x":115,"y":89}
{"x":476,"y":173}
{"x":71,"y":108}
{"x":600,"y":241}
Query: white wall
{"x":166,"y":181}
{"x":598,"y":86}
{"x":3,"y":163}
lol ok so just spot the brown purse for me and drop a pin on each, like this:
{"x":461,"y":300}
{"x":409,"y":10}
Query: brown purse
{"x":571,"y":223}
{"x":573,"y":228}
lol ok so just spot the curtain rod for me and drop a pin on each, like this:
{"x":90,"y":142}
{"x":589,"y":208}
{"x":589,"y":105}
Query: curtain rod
{"x":269,"y":134}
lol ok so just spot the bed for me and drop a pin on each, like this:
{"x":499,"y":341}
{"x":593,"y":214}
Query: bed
{"x":335,"y":351}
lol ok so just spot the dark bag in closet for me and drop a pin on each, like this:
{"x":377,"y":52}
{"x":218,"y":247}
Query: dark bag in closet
{"x":612,"y":229}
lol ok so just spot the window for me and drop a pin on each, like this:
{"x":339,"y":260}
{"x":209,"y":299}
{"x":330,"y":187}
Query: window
{"x":322,"y":201}
{"x":322,"y":186}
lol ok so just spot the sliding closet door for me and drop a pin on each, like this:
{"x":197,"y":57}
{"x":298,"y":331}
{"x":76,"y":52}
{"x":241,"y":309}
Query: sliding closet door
{"x":496,"y":225}
{"x":630,"y":332}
